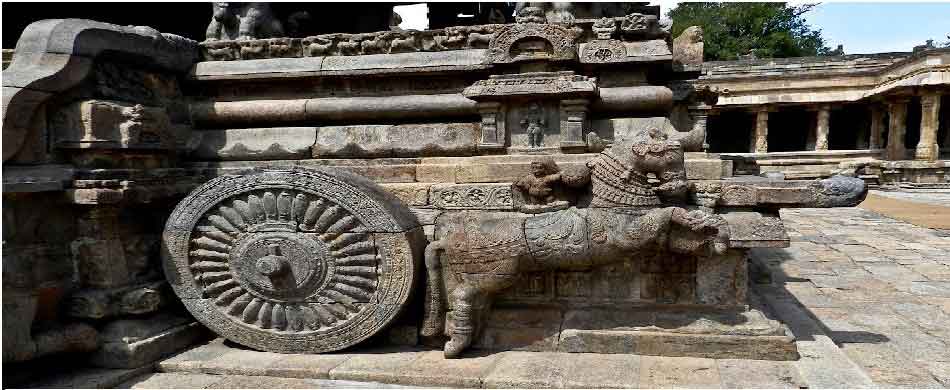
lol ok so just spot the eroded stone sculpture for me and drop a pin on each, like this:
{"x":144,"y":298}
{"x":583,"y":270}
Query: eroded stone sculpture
{"x":486,"y":253}
{"x":243,"y":21}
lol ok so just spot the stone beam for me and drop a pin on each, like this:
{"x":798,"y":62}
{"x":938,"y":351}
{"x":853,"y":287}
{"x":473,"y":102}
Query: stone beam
{"x":927,"y":148}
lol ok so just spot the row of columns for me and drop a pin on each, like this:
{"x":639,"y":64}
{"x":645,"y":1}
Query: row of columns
{"x":927,"y":148}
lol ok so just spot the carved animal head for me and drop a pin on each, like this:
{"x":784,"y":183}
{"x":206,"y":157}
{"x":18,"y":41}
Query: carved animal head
{"x":545,"y":166}
{"x":693,"y":34}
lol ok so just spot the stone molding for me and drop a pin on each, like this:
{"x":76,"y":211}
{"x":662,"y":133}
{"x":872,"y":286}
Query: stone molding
{"x":538,"y":84}
{"x":57,"y":54}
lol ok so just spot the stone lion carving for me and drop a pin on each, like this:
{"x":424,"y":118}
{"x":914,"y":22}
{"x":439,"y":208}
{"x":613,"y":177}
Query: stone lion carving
{"x":243,"y":21}
{"x":688,"y":47}
{"x":485,"y":253}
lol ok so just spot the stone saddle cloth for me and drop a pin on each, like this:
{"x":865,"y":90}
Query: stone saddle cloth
{"x":508,"y":244}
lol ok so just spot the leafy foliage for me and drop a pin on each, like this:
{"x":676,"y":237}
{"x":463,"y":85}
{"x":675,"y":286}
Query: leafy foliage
{"x":767,"y":30}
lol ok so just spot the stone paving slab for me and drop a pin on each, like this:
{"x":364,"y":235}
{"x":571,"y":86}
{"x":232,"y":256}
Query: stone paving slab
{"x":208,"y":381}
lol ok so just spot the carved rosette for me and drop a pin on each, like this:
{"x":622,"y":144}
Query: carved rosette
{"x":603,"y":51}
{"x":291,"y":261}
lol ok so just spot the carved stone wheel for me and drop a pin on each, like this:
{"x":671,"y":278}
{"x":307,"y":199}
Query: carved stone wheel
{"x":312,"y":260}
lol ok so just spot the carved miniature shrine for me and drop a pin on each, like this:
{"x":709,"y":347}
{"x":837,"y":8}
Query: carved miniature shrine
{"x":536,"y":185}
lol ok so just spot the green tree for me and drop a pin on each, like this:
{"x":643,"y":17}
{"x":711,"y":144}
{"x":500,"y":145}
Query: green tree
{"x":768,"y":30}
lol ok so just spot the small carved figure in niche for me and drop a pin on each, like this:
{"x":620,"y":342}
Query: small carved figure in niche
{"x":405,"y":45}
{"x":534,"y":124}
{"x":604,"y":28}
{"x":477,"y":40}
{"x":432,"y":41}
{"x":374,"y":43}
{"x":538,"y":186}
{"x":243,"y":21}
{"x":256,"y":49}
{"x":455,"y":38}
{"x":351,"y":46}
{"x":316,"y":46}
{"x":221,"y":51}
{"x":282,"y":48}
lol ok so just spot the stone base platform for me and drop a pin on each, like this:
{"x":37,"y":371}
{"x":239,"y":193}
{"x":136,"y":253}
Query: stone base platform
{"x":726,"y":334}
{"x":221,"y":364}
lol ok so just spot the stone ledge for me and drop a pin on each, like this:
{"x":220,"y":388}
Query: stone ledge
{"x":338,"y":65}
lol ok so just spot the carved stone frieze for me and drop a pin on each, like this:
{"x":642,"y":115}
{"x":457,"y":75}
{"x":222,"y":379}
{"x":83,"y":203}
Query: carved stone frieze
{"x":383,"y":42}
{"x":539,"y":84}
{"x":495,"y":196}
{"x":111,"y":125}
{"x":602,"y":51}
{"x":532,"y":41}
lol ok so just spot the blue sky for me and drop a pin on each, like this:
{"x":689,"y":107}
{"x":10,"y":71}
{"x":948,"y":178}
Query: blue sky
{"x":869,"y":27}
{"x":880,"y":27}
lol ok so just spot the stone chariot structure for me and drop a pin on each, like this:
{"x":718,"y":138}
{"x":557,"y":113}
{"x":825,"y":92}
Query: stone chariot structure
{"x":540,"y":185}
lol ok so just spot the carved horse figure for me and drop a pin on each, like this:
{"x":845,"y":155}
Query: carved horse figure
{"x":485,"y":253}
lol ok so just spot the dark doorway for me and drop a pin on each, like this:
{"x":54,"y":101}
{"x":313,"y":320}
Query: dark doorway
{"x":788,"y":129}
{"x":849,"y":127}
{"x":730,"y":132}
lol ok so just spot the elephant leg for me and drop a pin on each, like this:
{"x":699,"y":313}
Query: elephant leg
{"x":462,"y":319}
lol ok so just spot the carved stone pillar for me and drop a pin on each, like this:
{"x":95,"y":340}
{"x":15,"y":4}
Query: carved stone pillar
{"x":877,"y":127}
{"x":573,"y":115}
{"x":822,"y":128}
{"x":761,"y":144}
{"x":493,"y":126}
{"x":896,"y":129}
{"x":927,"y":148}
{"x":98,"y":252}
{"x":700,"y":117}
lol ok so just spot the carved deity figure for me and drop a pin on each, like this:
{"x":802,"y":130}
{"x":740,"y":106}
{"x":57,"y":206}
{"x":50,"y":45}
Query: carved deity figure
{"x":534,"y":123}
{"x":243,"y":21}
{"x":486,"y":253}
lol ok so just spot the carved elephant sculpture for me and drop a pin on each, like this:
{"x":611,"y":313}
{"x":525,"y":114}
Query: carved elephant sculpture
{"x":487,"y":252}
{"x":243,"y":21}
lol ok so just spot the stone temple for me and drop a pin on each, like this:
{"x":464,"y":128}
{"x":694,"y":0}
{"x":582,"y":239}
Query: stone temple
{"x":570,"y":179}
